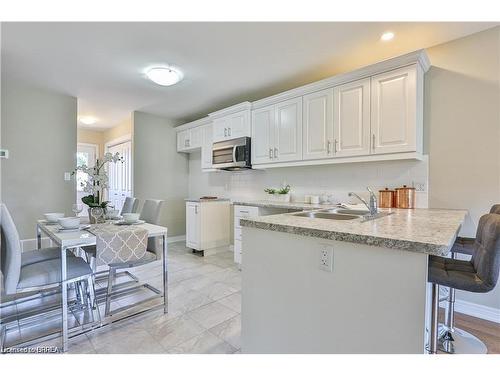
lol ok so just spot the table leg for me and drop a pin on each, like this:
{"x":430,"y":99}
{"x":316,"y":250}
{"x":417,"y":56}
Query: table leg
{"x":64,"y":294}
{"x":165,"y":275}
{"x":38,"y":237}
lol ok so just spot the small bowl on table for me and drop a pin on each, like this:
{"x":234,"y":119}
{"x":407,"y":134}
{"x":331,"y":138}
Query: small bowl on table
{"x":53,"y":217}
{"x":130,"y":218}
{"x":69,"y":222}
{"x":112,"y":214}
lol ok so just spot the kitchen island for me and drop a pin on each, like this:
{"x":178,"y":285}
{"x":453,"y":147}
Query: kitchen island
{"x":312,"y":285}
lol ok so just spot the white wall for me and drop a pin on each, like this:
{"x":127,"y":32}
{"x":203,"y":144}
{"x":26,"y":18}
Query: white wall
{"x":39,"y":130}
{"x":462,"y":119}
{"x":159,"y":172}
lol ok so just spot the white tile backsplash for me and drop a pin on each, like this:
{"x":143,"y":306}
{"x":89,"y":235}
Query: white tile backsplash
{"x":336,"y":179}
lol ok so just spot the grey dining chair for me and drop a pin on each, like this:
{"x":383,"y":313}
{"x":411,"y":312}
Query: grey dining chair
{"x":150,"y":213}
{"x":130,"y":205}
{"x":37,"y":270}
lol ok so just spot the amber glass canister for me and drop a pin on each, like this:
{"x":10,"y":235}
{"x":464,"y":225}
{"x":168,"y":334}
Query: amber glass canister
{"x":387,"y":198}
{"x":405,"y":197}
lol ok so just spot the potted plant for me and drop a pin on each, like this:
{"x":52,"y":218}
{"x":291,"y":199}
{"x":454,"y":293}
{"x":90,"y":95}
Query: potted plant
{"x":279,"y":195}
{"x":96,"y":182}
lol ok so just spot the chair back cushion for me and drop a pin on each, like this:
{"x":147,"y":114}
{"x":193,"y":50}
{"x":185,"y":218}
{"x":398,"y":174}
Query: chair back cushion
{"x":151,"y":210}
{"x":486,"y":257}
{"x":10,"y":253}
{"x":495,"y":209}
{"x":129,"y":206}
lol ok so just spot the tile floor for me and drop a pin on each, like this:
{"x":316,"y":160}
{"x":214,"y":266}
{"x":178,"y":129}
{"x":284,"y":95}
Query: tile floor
{"x":204,"y":311}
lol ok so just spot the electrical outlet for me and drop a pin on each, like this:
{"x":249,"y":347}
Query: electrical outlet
{"x":326,"y":258}
{"x":419,"y":186}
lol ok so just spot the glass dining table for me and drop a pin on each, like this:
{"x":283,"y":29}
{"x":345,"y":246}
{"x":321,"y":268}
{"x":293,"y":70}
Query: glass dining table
{"x":68,"y":240}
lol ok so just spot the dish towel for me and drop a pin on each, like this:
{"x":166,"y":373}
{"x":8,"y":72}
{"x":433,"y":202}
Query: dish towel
{"x":118,"y":244}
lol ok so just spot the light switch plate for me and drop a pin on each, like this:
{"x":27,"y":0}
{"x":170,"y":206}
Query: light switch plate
{"x":4,"y":154}
{"x":67,"y":176}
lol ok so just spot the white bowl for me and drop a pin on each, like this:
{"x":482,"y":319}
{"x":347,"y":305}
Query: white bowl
{"x":69,"y":222}
{"x":53,"y":217}
{"x":130,"y":218}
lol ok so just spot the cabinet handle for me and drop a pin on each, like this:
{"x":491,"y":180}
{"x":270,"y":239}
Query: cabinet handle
{"x":189,"y":142}
{"x":185,"y":143}
{"x":225,"y":132}
{"x":229,"y":131}
{"x":328,"y":145}
{"x":270,"y":153}
{"x":335,"y":147}
{"x":196,"y":210}
{"x":275,"y":153}
{"x":373,"y":141}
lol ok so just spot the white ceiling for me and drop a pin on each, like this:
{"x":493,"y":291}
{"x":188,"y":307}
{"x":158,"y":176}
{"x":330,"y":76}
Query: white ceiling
{"x":102,"y":64}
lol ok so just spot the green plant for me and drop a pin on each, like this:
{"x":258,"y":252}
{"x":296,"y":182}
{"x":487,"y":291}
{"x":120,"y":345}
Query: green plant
{"x":93,"y":201}
{"x":284,"y":190}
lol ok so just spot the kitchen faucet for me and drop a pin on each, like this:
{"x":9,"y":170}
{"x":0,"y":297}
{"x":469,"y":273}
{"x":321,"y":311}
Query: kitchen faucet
{"x":372,"y":206}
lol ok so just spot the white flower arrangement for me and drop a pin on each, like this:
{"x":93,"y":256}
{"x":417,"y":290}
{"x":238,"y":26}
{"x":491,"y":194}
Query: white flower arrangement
{"x":98,"y":179}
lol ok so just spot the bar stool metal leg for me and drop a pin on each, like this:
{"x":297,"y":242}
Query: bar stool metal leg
{"x":111,"y":280}
{"x":434,"y":319}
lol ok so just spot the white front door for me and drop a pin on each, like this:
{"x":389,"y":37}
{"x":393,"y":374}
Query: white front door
{"x":120,"y":175}
{"x":86,"y":154}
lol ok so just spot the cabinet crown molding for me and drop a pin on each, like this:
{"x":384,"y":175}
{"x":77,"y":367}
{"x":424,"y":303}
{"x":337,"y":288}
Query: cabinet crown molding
{"x":230,"y":110}
{"x":193,"y":124}
{"x":417,"y":57}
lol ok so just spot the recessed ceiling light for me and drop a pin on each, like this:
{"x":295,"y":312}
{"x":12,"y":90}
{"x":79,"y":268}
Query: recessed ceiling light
{"x":88,"y":120}
{"x":164,"y":76}
{"x":387,"y":36}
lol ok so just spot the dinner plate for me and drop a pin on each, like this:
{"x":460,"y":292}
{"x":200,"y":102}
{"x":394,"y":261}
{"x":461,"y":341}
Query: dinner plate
{"x":81,"y":227}
{"x":121,"y":222}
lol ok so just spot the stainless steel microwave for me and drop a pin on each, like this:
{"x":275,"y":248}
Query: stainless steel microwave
{"x":232,"y":155}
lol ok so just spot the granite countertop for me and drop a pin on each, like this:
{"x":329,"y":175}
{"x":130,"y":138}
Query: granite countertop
{"x":206,"y":200}
{"x":429,"y":231}
{"x":288,"y":205}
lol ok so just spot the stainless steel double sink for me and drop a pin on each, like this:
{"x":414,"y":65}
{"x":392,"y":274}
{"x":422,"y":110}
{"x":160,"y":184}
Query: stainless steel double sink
{"x":341,"y":214}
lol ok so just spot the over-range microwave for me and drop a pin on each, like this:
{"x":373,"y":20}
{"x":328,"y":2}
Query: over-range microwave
{"x":232,"y":155}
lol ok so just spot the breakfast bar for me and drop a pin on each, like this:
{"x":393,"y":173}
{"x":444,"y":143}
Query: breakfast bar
{"x":313,"y":285}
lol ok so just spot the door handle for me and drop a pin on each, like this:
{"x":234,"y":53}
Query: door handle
{"x":328,"y":146}
{"x":275,"y":153}
{"x":335,"y":146}
{"x":270,"y":153}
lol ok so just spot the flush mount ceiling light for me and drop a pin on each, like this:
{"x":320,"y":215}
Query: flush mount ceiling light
{"x":388,"y":35}
{"x":164,"y":76}
{"x":88,"y":120}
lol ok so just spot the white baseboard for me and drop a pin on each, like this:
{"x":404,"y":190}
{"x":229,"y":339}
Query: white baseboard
{"x":476,"y":310}
{"x":30,"y":243}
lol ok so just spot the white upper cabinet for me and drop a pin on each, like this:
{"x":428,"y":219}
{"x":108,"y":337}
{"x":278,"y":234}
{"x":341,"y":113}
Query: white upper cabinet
{"x":351,"y":119}
{"x":394,"y":121}
{"x":277,"y":132}
{"x":232,"y":126}
{"x":263,"y":123}
{"x":182,"y":140}
{"x":318,"y":125}
{"x":288,"y":131}
{"x":206,"y":147}
{"x":195,"y":137}
{"x":189,"y":139}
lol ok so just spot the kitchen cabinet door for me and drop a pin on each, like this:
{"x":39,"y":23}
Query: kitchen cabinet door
{"x":393,"y":111}
{"x":351,"y":118}
{"x":193,"y":225}
{"x":206,"y":147}
{"x":195,"y":137}
{"x":239,"y":125}
{"x":220,"y":129}
{"x":288,"y":131}
{"x":317,"y":125}
{"x":182,"y":140}
{"x":263,"y":122}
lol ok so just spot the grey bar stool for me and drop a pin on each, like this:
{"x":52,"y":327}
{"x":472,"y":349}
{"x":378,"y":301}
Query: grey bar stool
{"x":454,"y":340}
{"x":479,"y":275}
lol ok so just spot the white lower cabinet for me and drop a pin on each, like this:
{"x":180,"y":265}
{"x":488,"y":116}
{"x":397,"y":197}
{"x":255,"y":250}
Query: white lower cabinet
{"x":241,"y":212}
{"x":207,"y":224}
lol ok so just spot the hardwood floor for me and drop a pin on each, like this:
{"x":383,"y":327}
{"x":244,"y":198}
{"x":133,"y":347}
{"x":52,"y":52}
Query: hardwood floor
{"x":488,"y":332}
